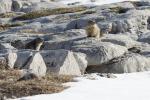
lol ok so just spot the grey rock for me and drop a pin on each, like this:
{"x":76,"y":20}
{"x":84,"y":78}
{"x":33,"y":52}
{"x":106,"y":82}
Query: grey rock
{"x":11,"y":59}
{"x":6,"y":46}
{"x":17,"y":59}
{"x":16,"y":5}
{"x":99,"y":52}
{"x":120,"y":39}
{"x":42,"y":5}
{"x":5,"y":6}
{"x":128,"y":63}
{"x":145,"y":38}
{"x":63,"y":62}
{"x":36,"y":64}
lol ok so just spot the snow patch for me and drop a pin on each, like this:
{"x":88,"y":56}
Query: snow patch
{"x":134,"y":86}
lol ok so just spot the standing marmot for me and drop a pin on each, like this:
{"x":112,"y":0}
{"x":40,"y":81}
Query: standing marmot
{"x":35,"y":44}
{"x":93,"y":30}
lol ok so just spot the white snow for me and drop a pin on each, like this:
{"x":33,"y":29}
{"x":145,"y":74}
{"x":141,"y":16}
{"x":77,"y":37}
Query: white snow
{"x":135,"y":86}
{"x":97,"y":2}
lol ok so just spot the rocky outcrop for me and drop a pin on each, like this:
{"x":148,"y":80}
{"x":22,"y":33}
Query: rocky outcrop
{"x":120,"y":39}
{"x":58,"y":62}
{"x":6,"y":46}
{"x":67,"y":49}
{"x":36,"y":65}
{"x":63,"y":62}
{"x":99,"y":52}
{"x":127,"y":63}
{"x":5,"y":6}
{"x":16,"y":5}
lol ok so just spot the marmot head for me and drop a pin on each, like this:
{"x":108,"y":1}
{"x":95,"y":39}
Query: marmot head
{"x":91,"y":22}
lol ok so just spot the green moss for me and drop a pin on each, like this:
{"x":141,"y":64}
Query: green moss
{"x":37,"y":14}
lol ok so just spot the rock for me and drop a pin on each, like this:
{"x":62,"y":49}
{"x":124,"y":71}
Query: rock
{"x":120,"y":39}
{"x":6,"y":46}
{"x":64,"y":40}
{"x":36,"y":64}
{"x":115,"y":20}
{"x":19,"y":44}
{"x":82,"y":61}
{"x":127,"y":63}
{"x":16,"y":5}
{"x":5,"y":6}
{"x":22,"y":58}
{"x":145,"y":38}
{"x":11,"y":59}
{"x":98,"y":52}
{"x":63,"y":62}
{"x":42,"y":5}
{"x":18,"y":59}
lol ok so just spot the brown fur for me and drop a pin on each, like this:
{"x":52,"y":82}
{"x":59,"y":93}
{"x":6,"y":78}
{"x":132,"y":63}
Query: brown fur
{"x":93,"y":30}
{"x":35,"y":44}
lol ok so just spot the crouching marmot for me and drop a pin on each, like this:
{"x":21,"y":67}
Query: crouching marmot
{"x":93,"y":30}
{"x":35,"y":44}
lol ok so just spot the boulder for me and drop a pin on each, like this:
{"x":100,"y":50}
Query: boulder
{"x":128,"y":63}
{"x":64,"y":62}
{"x":36,"y":65}
{"x":16,"y":5}
{"x":64,"y":40}
{"x":5,"y":6}
{"x":120,"y":39}
{"x":6,"y":46}
{"x":98,"y":52}
{"x":17,"y":59}
{"x":11,"y":59}
{"x":42,"y":5}
{"x":145,"y":37}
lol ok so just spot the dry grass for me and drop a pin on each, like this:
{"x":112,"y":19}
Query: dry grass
{"x":89,"y":12}
{"x":10,"y":87}
{"x":8,"y":26}
{"x":31,"y":31}
{"x":7,"y":15}
{"x":37,"y":14}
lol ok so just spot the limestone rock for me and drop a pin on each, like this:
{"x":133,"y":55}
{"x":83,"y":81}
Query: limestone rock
{"x":120,"y":39}
{"x":63,"y":62}
{"x":37,"y":65}
{"x":98,"y":52}
{"x":5,"y":6}
{"x":127,"y":63}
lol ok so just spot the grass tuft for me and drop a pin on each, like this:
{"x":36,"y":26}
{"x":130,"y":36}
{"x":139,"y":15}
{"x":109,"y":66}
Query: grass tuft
{"x":10,"y":87}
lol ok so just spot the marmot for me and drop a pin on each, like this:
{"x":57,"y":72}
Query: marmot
{"x":35,"y":44}
{"x":93,"y":30}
